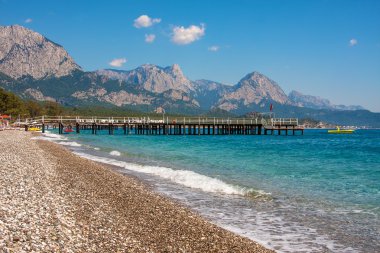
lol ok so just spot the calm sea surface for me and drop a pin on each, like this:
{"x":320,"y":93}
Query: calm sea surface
{"x":312,"y":193}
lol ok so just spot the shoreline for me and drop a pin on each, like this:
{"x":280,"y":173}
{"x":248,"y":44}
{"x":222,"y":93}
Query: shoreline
{"x":90,"y":206}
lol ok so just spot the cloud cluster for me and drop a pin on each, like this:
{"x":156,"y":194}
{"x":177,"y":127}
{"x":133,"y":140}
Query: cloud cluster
{"x":28,"y":20}
{"x":180,"y":35}
{"x":118,"y":62}
{"x":213,"y":48}
{"x":184,"y":36}
{"x":149,"y":38}
{"x":145,"y":21}
{"x":353,"y":42}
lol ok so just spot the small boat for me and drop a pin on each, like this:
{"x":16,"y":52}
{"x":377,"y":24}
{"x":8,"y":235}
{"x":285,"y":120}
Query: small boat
{"x":341,"y":131}
{"x":34,"y":129}
{"x":68,"y":130}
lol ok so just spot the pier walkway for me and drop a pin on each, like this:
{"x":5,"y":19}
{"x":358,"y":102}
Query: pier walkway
{"x":169,"y":126}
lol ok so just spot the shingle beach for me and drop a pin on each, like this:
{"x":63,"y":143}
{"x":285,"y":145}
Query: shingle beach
{"x":54,"y":201}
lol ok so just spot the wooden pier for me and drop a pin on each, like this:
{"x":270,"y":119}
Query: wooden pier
{"x":166,"y":126}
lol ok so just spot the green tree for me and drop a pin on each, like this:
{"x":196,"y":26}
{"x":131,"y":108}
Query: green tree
{"x":34,"y":108}
{"x":11,"y":104}
{"x":53,"y":108}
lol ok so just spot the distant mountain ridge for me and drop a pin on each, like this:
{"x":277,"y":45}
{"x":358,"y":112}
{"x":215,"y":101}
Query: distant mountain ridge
{"x":47,"y":72}
{"x":299,"y":99}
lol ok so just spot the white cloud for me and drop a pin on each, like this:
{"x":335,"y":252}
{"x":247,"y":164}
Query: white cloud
{"x":353,"y":42}
{"x":117,"y":62}
{"x":214,"y":48}
{"x":145,"y":21}
{"x":183,"y":36}
{"x":28,"y":20}
{"x":149,"y":38}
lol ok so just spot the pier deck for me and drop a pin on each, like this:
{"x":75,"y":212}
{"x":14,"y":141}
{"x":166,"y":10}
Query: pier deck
{"x":169,"y":126}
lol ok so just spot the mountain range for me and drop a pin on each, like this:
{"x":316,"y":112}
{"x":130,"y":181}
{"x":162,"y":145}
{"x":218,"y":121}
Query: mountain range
{"x":35,"y":67}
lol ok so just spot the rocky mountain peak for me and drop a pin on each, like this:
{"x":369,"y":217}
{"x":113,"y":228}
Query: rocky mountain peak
{"x":295,"y":94}
{"x":153,"y":78}
{"x":255,"y":87}
{"x":252,"y":90}
{"x":148,"y":67}
{"x":256,"y":79}
{"x":24,"y":52}
{"x":175,"y":68}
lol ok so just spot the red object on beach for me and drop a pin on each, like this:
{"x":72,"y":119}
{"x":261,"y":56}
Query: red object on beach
{"x":271,"y":107}
{"x":68,"y":130}
{"x":5,"y":116}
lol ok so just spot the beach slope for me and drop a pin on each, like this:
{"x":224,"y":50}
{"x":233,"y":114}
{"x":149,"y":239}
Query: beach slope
{"x":54,"y":201}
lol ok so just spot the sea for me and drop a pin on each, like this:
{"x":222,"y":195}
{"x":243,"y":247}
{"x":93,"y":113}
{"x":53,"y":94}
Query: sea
{"x":316,"y":192}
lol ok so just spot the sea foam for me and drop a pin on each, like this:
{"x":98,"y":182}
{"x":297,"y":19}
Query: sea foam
{"x":57,"y":139}
{"x":115,"y":153}
{"x":70,"y":143}
{"x":184,"y":177}
{"x":50,"y":137}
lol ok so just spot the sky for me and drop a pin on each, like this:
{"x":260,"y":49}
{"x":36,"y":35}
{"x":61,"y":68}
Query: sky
{"x":326,"y":48}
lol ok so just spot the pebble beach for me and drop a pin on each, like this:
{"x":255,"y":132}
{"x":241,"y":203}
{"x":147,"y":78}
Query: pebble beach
{"x":54,"y":201}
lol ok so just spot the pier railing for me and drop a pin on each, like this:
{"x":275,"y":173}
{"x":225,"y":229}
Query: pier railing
{"x":284,"y":121}
{"x":150,"y":120}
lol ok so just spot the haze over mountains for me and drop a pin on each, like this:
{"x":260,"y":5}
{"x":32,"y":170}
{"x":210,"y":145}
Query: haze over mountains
{"x":34,"y":67}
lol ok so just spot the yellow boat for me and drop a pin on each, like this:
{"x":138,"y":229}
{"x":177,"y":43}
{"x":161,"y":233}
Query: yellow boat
{"x":34,"y":129}
{"x":341,"y":131}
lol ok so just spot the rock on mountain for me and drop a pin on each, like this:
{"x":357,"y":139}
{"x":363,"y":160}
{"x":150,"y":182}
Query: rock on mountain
{"x":152,"y":78}
{"x":301,"y":100}
{"x":162,"y":83}
{"x":251,"y":90}
{"x":209,"y":92}
{"x":27,"y":53}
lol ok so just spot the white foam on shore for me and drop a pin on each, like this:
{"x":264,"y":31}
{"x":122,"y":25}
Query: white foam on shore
{"x":115,"y":153}
{"x":184,"y":177}
{"x":56,"y":138}
{"x":70,"y":143}
{"x":50,"y":137}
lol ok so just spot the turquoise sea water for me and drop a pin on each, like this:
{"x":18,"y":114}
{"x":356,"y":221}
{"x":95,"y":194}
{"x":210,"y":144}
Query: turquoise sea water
{"x":312,"y":193}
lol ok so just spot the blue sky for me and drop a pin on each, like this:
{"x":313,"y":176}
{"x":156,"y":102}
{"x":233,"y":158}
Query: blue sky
{"x":325,"y":48}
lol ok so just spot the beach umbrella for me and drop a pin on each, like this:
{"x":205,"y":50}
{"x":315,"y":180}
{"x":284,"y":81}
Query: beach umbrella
{"x":4,"y":116}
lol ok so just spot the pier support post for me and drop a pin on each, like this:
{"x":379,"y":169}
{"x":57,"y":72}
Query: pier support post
{"x":43,"y":128}
{"x":77,"y":128}
{"x":110,"y":129}
{"x":60,"y":128}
